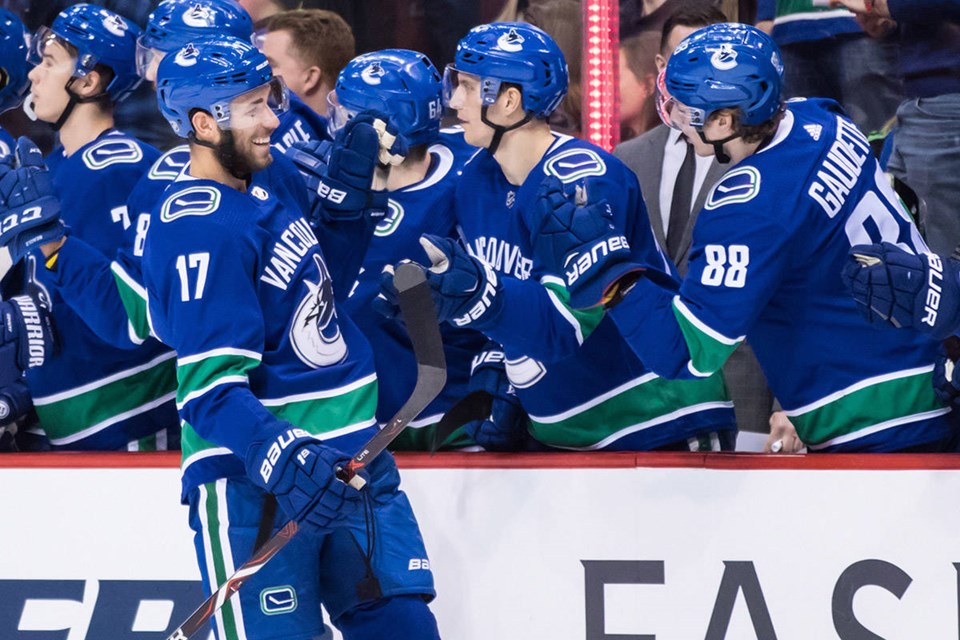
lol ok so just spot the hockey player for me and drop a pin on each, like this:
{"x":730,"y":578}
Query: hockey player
{"x":767,"y":253}
{"x":579,"y":382}
{"x":274,"y":381}
{"x":90,"y":396}
{"x":14,"y":83}
{"x":408,"y":89}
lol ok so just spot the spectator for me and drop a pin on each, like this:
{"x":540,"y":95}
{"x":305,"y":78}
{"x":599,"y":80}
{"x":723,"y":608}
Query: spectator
{"x":926,"y":147}
{"x":826,"y":54}
{"x":638,"y":79}
{"x":308,"y":48}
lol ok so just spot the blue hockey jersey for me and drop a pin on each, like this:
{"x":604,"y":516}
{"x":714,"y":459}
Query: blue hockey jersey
{"x":300,"y":123}
{"x":93,"y":395}
{"x":424,"y":207}
{"x":7,"y":143}
{"x":238,"y":287}
{"x":576,"y":377}
{"x":765,"y":264}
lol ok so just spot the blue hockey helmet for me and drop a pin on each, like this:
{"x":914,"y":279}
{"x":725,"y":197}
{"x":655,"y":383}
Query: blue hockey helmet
{"x":400,"y":83}
{"x":516,"y":53}
{"x":726,"y":65}
{"x":98,"y":36}
{"x":176,"y":23}
{"x":209,"y":75}
{"x":14,"y":68}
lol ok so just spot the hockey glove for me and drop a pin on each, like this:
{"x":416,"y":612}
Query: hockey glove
{"x":579,"y":242}
{"x":15,"y":404}
{"x":946,"y":379}
{"x":464,"y":288}
{"x":27,"y":338}
{"x":299,"y":470}
{"x":29,"y":206}
{"x":891,"y":285}
{"x":506,"y":428}
{"x":387,"y":301}
{"x":340,"y":175}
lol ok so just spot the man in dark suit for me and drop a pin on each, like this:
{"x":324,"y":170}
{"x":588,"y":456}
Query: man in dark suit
{"x":675,"y":183}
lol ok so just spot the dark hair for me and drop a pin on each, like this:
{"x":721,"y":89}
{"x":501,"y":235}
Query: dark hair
{"x":322,"y":38}
{"x":106,"y":75}
{"x":692,"y":14}
{"x":752,"y":132}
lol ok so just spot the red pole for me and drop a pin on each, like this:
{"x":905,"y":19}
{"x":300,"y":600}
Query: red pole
{"x":600,"y":72}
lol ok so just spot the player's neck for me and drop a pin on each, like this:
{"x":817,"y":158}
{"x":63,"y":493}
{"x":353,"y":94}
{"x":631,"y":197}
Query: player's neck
{"x":521,"y":149}
{"x":83,"y":126}
{"x":205,"y":166}
{"x":317,"y":99}
{"x":408,"y":172}
{"x":737,"y":149}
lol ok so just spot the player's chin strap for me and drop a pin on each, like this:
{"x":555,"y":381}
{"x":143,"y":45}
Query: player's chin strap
{"x":226,"y":151}
{"x":718,"y":151}
{"x":74,"y":101}
{"x":499,"y":129}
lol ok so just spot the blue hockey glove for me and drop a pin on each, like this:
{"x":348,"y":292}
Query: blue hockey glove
{"x":506,"y":428}
{"x":15,"y":404}
{"x":27,"y":338}
{"x":299,"y":470}
{"x":893,"y":286}
{"x":387,"y":301}
{"x":464,"y":288}
{"x":579,"y":242}
{"x":340,"y":175}
{"x":946,"y":379}
{"x":29,"y":206}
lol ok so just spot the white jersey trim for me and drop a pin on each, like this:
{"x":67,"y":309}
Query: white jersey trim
{"x":112,"y":420}
{"x":96,"y":384}
{"x":563,"y":311}
{"x":593,"y":402}
{"x":445,"y":158}
{"x":319,"y":395}
{"x":699,"y":324}
{"x":216,"y":353}
{"x":813,"y":15}
{"x":203,"y":454}
{"x":882,"y":426}
{"x":193,"y":395}
{"x":863,"y":384}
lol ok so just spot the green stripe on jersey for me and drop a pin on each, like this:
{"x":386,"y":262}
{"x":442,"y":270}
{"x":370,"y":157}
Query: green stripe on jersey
{"x":420,"y":438}
{"x":588,"y":319}
{"x":215,"y":552}
{"x":708,"y":348}
{"x":198,"y":374}
{"x":897,"y":398}
{"x":642,"y":404}
{"x":134,"y":301}
{"x":75,"y":414}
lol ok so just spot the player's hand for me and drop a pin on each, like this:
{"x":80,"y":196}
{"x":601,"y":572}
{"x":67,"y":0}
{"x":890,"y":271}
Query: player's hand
{"x":300,"y":471}
{"x":506,"y":427}
{"x":893,"y":286}
{"x":387,"y":302}
{"x":946,"y":379}
{"x":29,"y":206}
{"x":27,"y":337}
{"x":579,"y":242}
{"x":783,"y":436}
{"x":465,"y":289}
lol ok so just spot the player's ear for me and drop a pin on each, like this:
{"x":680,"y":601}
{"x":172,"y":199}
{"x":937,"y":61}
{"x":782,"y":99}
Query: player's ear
{"x":724,"y":120}
{"x":205,"y":126}
{"x":512,"y":101}
{"x":88,"y":85}
{"x":313,"y":79}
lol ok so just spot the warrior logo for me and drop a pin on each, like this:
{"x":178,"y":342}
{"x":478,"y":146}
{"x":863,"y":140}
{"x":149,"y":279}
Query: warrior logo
{"x":724,"y":58}
{"x":198,"y":16}
{"x":373,"y":73}
{"x":314,"y":332}
{"x":187,"y":57}
{"x":511,"y":41}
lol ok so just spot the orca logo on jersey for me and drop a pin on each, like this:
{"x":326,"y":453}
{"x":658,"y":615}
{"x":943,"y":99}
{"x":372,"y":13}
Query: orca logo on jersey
{"x":724,"y":58}
{"x":391,"y":221}
{"x":575,"y":164}
{"x":314,"y":332}
{"x":931,"y":303}
{"x":511,"y":41}
{"x":372,"y":74}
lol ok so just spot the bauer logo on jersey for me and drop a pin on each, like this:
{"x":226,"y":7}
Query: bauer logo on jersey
{"x":372,"y":74}
{"x":391,"y":221}
{"x":575,"y":164}
{"x":110,"y":151}
{"x":511,"y":41}
{"x":724,"y":58}
{"x":199,"y":16}
{"x":314,"y":332}
{"x":739,"y":185}
{"x":277,"y":600}
{"x":187,"y":57}
{"x":192,"y":201}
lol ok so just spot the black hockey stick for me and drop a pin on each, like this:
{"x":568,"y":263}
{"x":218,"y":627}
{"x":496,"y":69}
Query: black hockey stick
{"x":474,"y":406}
{"x":416,"y":305}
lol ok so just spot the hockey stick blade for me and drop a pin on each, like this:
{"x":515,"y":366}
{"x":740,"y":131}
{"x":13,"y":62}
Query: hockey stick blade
{"x":420,"y":316}
{"x":474,"y":406}
{"x":219,"y":597}
{"x":416,"y":304}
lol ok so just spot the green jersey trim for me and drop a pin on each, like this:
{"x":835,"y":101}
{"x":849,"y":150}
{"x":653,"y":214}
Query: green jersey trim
{"x":218,"y":556}
{"x":708,"y":348}
{"x":134,"y":299}
{"x":583,"y":321}
{"x":640,"y":404}
{"x":202,"y":372}
{"x":868,"y":406}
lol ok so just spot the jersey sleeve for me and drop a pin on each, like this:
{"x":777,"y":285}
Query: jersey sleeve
{"x":203,"y":304}
{"x":738,"y":258}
